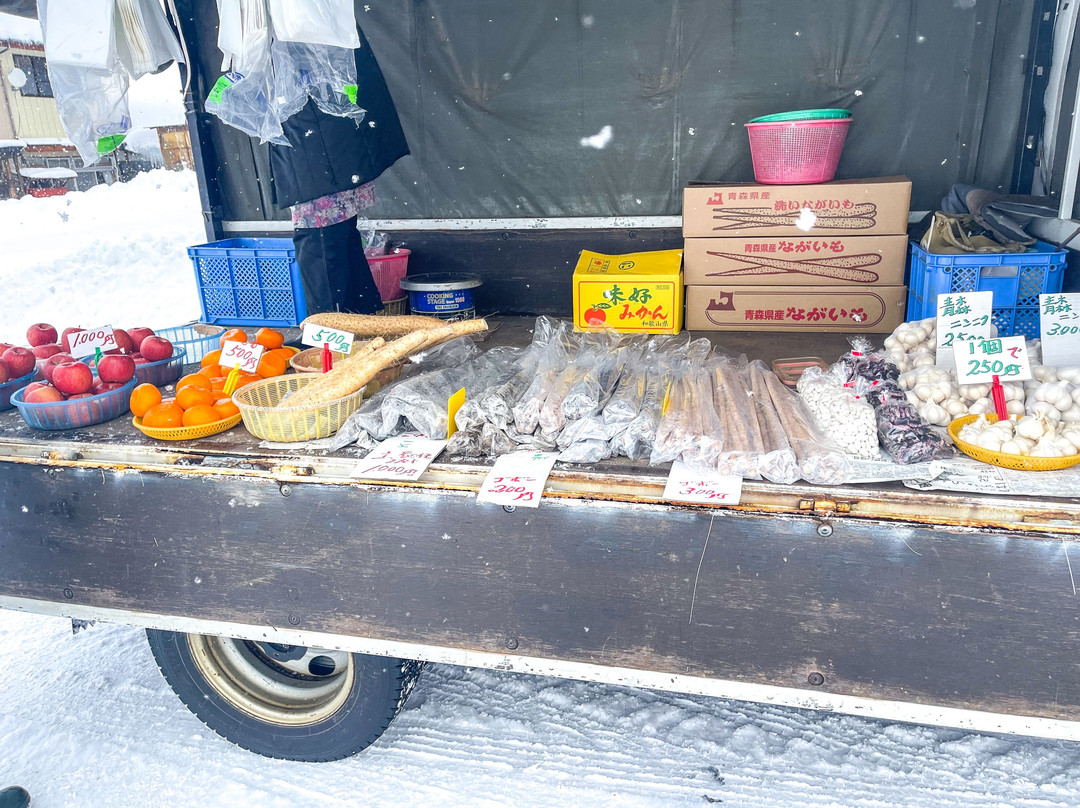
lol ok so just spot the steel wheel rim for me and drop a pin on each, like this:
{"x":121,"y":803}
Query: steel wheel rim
{"x":285,"y":693}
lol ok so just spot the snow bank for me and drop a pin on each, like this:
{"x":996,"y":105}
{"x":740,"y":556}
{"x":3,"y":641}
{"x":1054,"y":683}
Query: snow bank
{"x":111,"y":255}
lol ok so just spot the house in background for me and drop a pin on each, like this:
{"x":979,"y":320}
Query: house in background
{"x":36,"y":156}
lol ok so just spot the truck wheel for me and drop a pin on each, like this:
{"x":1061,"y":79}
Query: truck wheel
{"x":284,"y":701}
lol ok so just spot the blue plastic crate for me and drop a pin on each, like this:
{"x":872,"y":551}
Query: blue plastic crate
{"x":249,"y":282}
{"x":1016,"y":279}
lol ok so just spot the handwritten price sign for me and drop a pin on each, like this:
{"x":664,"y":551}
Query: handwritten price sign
{"x":319,"y":335}
{"x":686,"y":484}
{"x":86,"y":343}
{"x":961,"y":316}
{"x":978,"y":361}
{"x":404,"y":458}
{"x":1059,"y":321}
{"x":242,"y":355}
{"x":517,"y":479}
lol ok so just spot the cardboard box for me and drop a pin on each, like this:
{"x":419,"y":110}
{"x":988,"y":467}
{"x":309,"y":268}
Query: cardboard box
{"x":637,"y":292}
{"x":876,"y":207}
{"x":796,"y":261}
{"x":846,"y":309}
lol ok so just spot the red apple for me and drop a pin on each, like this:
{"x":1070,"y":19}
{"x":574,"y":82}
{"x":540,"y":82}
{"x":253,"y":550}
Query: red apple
{"x":65,"y":343}
{"x":45,"y":351}
{"x":40,"y":334}
{"x":106,"y":387}
{"x":80,"y":395}
{"x":5,"y":372}
{"x":139,"y":359}
{"x":4,"y":346}
{"x":71,"y":378}
{"x":116,"y":368}
{"x":20,"y":361}
{"x":124,"y":342}
{"x":42,"y":394}
{"x":156,"y":348}
{"x":49,"y":365}
{"x":139,"y":334}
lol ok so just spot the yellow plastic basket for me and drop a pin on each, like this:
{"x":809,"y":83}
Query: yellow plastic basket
{"x":186,"y":432}
{"x":1009,"y":461}
{"x":264,"y":419}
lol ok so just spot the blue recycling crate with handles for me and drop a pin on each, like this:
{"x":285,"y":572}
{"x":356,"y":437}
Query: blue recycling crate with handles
{"x":1016,"y":279}
{"x":249,"y":282}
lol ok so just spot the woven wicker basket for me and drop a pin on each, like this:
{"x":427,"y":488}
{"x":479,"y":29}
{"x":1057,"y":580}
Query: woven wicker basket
{"x":264,"y":419}
{"x":1009,"y":461}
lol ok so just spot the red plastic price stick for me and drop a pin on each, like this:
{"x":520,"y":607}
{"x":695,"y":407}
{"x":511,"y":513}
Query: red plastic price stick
{"x":327,"y":358}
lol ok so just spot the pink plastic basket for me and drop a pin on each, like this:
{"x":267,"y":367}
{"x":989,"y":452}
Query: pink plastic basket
{"x":388,"y":271}
{"x":796,"y":152}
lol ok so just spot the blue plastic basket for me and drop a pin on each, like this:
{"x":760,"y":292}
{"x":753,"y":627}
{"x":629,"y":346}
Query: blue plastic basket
{"x":197,"y":339}
{"x":1016,"y":279}
{"x":77,"y":413}
{"x":249,"y":282}
{"x":162,"y":372}
{"x":11,"y":386}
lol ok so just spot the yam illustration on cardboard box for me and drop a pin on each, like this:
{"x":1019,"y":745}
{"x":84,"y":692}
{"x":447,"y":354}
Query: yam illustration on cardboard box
{"x":864,"y":207}
{"x":791,"y":261}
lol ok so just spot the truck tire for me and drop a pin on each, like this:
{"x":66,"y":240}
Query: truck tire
{"x":283,"y":701}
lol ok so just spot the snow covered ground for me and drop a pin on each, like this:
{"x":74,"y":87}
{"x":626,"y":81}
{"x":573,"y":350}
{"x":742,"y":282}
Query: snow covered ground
{"x":87,"y":720}
{"x":110,"y":255}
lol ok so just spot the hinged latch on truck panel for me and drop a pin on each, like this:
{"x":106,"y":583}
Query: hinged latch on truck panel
{"x":824,"y":506}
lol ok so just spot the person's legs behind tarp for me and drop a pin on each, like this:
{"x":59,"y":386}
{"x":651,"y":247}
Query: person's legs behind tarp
{"x":333,"y":269}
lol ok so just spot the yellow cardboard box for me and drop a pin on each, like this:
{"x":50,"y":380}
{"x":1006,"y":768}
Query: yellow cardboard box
{"x":637,"y":292}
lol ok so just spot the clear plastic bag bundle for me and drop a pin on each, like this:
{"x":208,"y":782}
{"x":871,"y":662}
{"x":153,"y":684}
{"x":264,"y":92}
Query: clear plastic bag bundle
{"x":820,"y":461}
{"x":315,"y":22}
{"x":550,"y":367}
{"x":840,"y":413}
{"x":325,"y":74}
{"x":778,"y":462}
{"x":743,"y":444}
{"x":690,"y":430}
{"x":89,"y":82}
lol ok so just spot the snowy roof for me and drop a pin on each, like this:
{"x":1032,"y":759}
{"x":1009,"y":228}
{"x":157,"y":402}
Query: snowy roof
{"x":47,"y":141}
{"x":48,"y":173}
{"x":20,"y":29}
{"x":12,"y":144}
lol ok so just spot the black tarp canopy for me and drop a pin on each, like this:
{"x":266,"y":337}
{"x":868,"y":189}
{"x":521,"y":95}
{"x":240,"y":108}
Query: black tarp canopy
{"x":500,"y":99}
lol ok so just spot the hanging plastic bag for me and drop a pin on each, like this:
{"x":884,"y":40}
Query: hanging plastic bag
{"x":325,"y":74}
{"x":144,"y":40}
{"x":316,"y":22}
{"x":79,"y":33}
{"x":92,"y":103}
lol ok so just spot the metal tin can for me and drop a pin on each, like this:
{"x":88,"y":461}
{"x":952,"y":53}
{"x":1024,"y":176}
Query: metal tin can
{"x":446,"y":295}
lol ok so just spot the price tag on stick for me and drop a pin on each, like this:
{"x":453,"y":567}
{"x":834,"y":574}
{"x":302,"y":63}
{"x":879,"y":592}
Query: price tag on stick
{"x":1059,"y":324}
{"x":686,"y":484}
{"x":517,"y":479}
{"x":960,"y":316}
{"x":978,"y":361}
{"x":319,"y":335}
{"x":402,"y":458}
{"x":243,"y":356}
{"x":87,"y":343}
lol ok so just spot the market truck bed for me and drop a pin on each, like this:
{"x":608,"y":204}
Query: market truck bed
{"x":952,"y":609}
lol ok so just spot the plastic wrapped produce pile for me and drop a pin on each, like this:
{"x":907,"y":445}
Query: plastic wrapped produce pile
{"x":602,"y":394}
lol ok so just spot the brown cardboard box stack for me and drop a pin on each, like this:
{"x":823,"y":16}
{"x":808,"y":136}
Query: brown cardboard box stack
{"x":826,"y":257}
